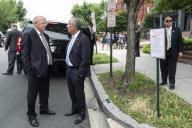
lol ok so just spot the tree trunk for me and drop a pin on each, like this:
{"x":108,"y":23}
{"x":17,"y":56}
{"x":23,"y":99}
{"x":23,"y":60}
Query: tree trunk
{"x":132,"y":10}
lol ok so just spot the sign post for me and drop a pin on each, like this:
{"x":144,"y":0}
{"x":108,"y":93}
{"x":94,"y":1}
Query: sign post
{"x":157,"y":40}
{"x":111,"y":22}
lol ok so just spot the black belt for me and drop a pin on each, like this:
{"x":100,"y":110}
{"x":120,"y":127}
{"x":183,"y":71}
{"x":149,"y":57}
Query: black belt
{"x":72,"y":67}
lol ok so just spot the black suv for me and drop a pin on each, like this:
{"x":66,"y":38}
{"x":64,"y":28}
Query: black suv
{"x":58,"y":41}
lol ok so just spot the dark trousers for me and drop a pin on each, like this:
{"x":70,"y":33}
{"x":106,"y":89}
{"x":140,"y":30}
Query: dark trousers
{"x":137,"y":51}
{"x":37,"y":85}
{"x":11,"y":62}
{"x":91,"y":55}
{"x":76,"y":89}
{"x":168,"y":67}
{"x":19,"y":64}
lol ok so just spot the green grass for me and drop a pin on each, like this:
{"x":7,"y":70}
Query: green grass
{"x":102,"y":58}
{"x":139,"y":101}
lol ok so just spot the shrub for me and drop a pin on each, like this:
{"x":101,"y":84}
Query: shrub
{"x":146,"y":49}
{"x":187,"y":42}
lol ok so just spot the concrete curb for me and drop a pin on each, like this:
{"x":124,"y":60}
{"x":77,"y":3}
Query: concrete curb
{"x":110,"y":109}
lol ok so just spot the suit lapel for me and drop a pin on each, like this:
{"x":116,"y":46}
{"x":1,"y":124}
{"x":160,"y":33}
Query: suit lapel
{"x":172,"y":34}
{"x":36,"y":36}
{"x":76,"y":42}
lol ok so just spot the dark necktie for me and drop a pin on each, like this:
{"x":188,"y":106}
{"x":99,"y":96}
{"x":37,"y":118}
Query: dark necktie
{"x":165,"y":40}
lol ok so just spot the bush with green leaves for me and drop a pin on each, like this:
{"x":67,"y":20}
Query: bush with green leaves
{"x":146,"y":49}
{"x":187,"y":43}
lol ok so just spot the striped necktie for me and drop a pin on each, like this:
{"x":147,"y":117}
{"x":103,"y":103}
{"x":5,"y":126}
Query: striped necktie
{"x":50,"y":61}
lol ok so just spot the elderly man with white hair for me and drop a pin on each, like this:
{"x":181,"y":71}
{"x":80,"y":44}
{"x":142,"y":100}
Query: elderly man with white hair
{"x":37,"y":60}
{"x":77,"y":60}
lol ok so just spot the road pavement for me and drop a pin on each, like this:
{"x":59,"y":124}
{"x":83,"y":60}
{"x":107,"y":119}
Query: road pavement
{"x":13,"y":106}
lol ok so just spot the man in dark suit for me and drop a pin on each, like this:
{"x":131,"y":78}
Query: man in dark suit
{"x":10,"y":43}
{"x":137,"y":42}
{"x":77,"y":60}
{"x":37,"y":59}
{"x":173,"y":48}
{"x":91,"y":35}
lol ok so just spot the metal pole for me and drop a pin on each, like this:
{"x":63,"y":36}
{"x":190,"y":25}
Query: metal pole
{"x":157,"y":75}
{"x":111,"y":52}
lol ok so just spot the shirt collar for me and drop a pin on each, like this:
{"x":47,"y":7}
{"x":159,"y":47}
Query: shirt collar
{"x":75,"y":35}
{"x":170,"y":28}
{"x":38,"y":32}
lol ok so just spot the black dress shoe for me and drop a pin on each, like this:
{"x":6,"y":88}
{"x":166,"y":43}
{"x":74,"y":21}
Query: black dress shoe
{"x":172,"y":87}
{"x":163,"y":83}
{"x":7,"y":73}
{"x":33,"y":121}
{"x":72,"y":112}
{"x":48,"y":112}
{"x":79,"y":119}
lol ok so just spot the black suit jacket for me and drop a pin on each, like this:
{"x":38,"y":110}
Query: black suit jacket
{"x":80,"y":54}
{"x":88,"y":33}
{"x":176,"y":42}
{"x":11,"y":40}
{"x":34,"y":54}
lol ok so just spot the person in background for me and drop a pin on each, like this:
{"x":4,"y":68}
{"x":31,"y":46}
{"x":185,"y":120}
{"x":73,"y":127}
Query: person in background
{"x":108,"y":41}
{"x":137,"y":42}
{"x":91,"y":35}
{"x":103,"y":40}
{"x":78,"y":67}
{"x":12,"y":37}
{"x":37,"y":60}
{"x":173,"y":50}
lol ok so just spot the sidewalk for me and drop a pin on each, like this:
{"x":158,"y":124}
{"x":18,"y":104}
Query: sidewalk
{"x":147,"y":65}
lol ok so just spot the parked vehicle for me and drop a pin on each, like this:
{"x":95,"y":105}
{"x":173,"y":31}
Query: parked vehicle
{"x":58,"y":41}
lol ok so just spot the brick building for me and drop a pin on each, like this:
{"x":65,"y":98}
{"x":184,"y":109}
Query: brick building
{"x":145,"y":9}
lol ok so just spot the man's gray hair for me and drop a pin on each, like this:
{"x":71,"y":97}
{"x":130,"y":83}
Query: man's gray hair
{"x":76,"y":22}
{"x":36,"y":18}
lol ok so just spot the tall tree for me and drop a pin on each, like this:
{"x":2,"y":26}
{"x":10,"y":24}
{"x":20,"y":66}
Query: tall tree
{"x":133,"y":7}
{"x":20,"y":11}
{"x":121,"y":21}
{"x":84,"y":13}
{"x":10,"y":11}
{"x":167,"y":5}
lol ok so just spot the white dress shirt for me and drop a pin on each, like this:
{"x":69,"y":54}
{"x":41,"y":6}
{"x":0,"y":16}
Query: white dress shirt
{"x":169,"y":34}
{"x":68,"y":62}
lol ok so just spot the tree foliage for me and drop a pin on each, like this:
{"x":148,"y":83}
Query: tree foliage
{"x":84,"y":13}
{"x":149,"y":21}
{"x":10,"y":11}
{"x":167,"y":5}
{"x":121,"y":21}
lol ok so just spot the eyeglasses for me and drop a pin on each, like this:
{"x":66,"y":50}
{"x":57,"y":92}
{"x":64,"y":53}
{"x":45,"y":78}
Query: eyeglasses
{"x":168,"y":21}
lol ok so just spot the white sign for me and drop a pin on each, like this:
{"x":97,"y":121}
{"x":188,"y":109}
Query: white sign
{"x":111,"y":5}
{"x":157,"y":40}
{"x":111,"y":19}
{"x":111,"y":13}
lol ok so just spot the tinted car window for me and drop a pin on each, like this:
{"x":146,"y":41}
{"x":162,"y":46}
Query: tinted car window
{"x":56,"y":31}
